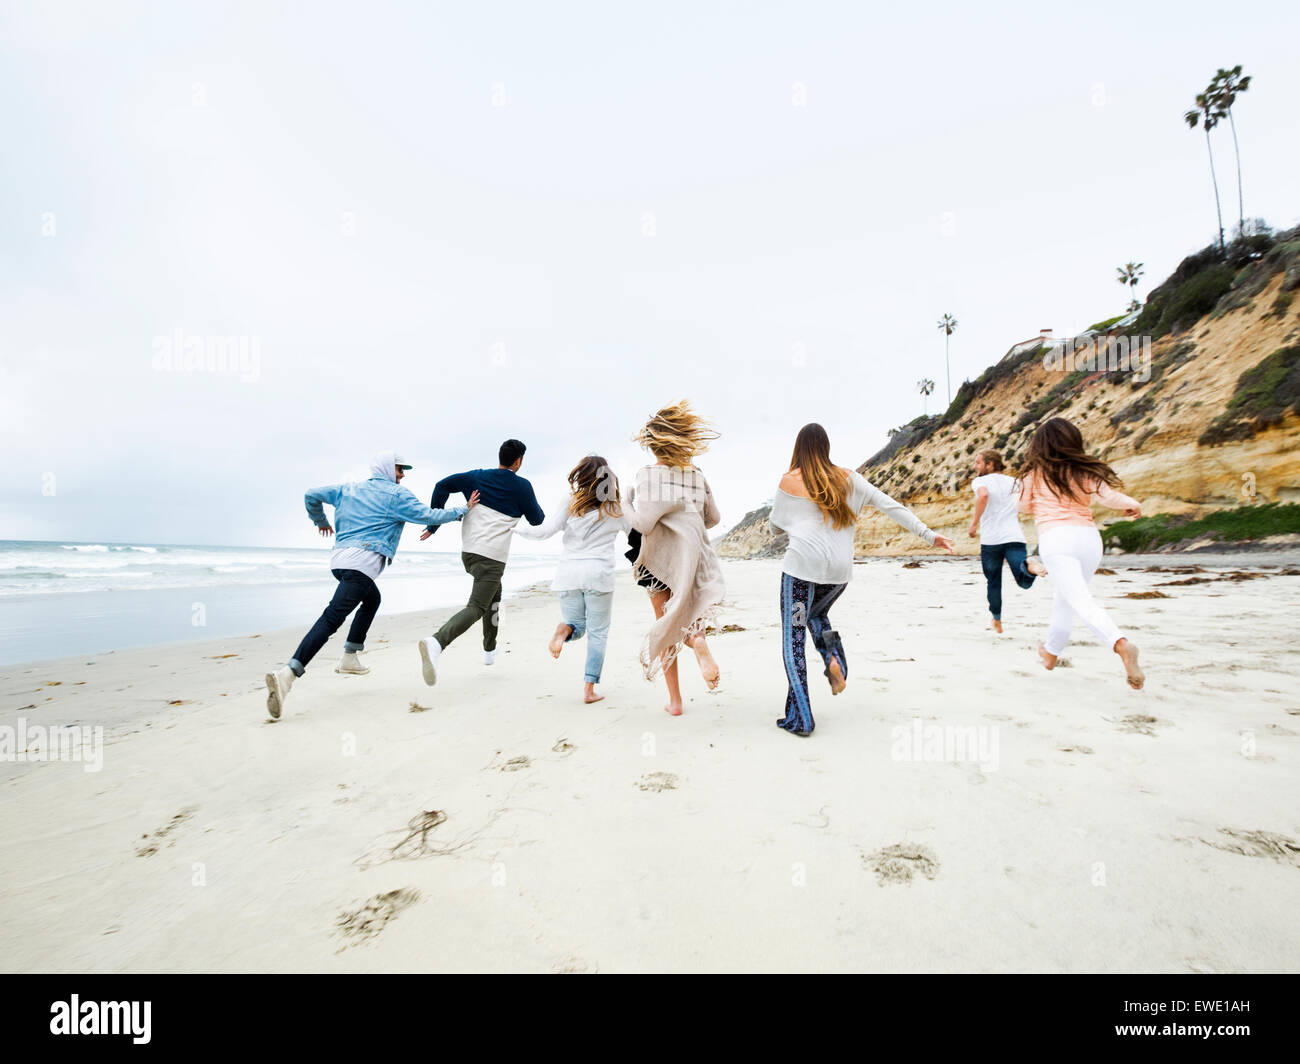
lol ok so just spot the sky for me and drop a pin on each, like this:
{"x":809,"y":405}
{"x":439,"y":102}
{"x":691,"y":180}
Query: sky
{"x":431,"y":226}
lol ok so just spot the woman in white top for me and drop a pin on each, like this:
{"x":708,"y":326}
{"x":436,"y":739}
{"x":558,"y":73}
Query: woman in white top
{"x":591,"y":519}
{"x":817,"y":506}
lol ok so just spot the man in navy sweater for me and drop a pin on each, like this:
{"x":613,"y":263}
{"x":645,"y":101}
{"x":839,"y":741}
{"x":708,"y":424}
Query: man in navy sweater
{"x":504,"y":497}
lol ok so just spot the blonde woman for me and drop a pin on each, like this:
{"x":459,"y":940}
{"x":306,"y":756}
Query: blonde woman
{"x":672,"y":508}
{"x":817,"y":506}
{"x":591,"y":518}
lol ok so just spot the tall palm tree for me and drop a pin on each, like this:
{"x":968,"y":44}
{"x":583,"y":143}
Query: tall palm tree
{"x":1223,"y":90}
{"x":925,"y":387}
{"x":947,"y":323}
{"x":1206,"y":113}
{"x":1129,"y":274}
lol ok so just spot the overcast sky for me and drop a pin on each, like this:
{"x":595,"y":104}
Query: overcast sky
{"x":445,"y":224}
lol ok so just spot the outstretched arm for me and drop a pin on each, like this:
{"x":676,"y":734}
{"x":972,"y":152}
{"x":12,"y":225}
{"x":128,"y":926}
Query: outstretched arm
{"x":902,"y":516}
{"x":462,"y":482}
{"x":552,"y":524}
{"x":409,"y":508}
{"x":1117,"y":500}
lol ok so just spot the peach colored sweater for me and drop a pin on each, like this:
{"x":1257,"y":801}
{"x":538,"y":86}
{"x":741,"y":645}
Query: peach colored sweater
{"x":1049,"y":508}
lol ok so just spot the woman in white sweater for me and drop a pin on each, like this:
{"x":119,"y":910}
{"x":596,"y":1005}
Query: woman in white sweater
{"x":817,"y":506}
{"x":591,"y":518}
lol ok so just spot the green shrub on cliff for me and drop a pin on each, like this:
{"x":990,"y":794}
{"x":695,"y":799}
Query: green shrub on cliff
{"x":1242,"y":523}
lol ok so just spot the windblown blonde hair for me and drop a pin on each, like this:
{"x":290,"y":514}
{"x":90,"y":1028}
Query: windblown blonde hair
{"x":594,"y":485}
{"x":676,"y":434}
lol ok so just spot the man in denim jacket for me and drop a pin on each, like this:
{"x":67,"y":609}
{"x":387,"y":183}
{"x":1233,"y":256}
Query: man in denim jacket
{"x":370,"y":515}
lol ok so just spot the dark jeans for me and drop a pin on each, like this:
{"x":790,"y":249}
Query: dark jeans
{"x":484,"y":602}
{"x":355,"y":589}
{"x":991,"y":560}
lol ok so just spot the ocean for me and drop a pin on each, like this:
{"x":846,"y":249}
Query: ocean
{"x":63,"y":599}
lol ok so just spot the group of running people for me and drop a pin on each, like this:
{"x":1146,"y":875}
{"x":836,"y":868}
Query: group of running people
{"x":665,"y":518}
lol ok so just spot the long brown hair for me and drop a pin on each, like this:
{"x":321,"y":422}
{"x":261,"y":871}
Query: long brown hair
{"x":594,"y":485}
{"x":676,"y":434}
{"x":825,"y":482}
{"x":1056,"y":453}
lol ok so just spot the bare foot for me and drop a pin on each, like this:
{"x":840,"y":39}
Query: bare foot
{"x":674,"y":708}
{"x":997,"y":625}
{"x":1128,"y":654}
{"x":1036,"y":567}
{"x":838,"y":682}
{"x":708,"y":667}
{"x":589,"y":694}
{"x":1049,"y":660}
{"x":562,"y":632}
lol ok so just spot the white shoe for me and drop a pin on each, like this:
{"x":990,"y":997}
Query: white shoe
{"x":489,"y":656}
{"x":429,"y":651}
{"x":351,"y":664}
{"x":277,"y":690}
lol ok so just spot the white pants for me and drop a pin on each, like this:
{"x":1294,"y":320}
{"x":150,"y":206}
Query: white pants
{"x":1072,"y":554}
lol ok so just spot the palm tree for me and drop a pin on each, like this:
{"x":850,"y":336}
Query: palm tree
{"x":1223,"y":91}
{"x":925,"y":387}
{"x":1206,"y":112}
{"x":1129,"y":274}
{"x":947,"y":323}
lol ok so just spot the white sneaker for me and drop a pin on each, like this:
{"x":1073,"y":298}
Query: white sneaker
{"x":489,"y":656}
{"x":351,"y":664}
{"x":277,"y":690}
{"x":429,"y":651}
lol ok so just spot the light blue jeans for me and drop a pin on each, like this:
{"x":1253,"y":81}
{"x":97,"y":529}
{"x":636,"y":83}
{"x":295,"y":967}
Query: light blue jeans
{"x":588,"y":612}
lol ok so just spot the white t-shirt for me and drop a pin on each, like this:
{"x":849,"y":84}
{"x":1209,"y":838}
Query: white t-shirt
{"x":999,"y":523}
{"x":370,"y":562}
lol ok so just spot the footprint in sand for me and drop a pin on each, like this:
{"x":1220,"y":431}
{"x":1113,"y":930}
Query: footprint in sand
{"x":657,"y":782}
{"x":1280,"y":848}
{"x":1077,"y":748}
{"x":573,"y":966}
{"x":154,"y":842}
{"x":563,"y":747}
{"x":1136,"y":724}
{"x":364,"y":923}
{"x":516,"y":763}
{"x":901,"y":862}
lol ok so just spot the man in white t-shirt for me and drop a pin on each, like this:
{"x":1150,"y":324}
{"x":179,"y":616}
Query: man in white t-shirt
{"x":997,"y":524}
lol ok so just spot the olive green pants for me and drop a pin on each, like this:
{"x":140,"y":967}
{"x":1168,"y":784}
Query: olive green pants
{"x":484,"y":602}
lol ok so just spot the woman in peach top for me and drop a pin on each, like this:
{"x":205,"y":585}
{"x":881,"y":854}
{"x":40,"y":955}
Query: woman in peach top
{"x":1058,"y":482}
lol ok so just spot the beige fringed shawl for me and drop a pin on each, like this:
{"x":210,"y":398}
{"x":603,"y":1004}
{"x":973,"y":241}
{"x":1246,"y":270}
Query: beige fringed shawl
{"x":672,"y":508}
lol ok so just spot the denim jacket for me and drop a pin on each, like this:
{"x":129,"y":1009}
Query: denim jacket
{"x":371,"y":513}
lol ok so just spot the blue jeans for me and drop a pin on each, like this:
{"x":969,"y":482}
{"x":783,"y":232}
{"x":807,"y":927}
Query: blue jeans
{"x":588,"y":612}
{"x":355,"y":590}
{"x":991,"y":561}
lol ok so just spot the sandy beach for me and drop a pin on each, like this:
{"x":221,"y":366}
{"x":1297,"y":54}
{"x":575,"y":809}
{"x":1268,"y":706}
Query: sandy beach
{"x":495,"y":823}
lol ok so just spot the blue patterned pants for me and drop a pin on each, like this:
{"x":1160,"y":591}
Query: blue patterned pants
{"x":805,"y":607}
